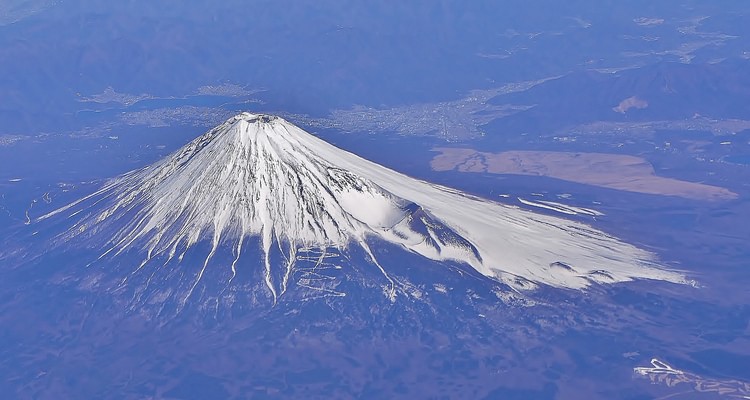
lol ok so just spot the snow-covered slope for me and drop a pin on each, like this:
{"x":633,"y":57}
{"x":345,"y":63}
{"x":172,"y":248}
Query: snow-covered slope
{"x":260,"y":176}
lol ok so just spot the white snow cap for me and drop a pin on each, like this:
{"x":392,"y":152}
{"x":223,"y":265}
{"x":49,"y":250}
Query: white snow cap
{"x":259,"y":175}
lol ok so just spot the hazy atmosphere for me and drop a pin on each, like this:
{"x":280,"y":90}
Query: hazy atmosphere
{"x":336,"y":200}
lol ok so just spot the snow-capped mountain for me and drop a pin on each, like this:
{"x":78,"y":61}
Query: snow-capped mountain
{"x":259,"y":192}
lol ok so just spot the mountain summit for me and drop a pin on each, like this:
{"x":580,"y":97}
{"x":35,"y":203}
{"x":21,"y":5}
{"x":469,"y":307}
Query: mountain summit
{"x":259,"y":192}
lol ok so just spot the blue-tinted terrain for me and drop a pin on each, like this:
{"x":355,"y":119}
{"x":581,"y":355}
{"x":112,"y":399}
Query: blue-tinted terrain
{"x":631,"y":117}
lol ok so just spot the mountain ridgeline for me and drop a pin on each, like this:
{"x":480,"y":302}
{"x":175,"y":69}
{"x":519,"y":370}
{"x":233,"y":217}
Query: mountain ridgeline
{"x":258,"y":207}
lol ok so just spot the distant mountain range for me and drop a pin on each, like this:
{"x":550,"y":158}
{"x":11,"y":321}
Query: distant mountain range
{"x":665,"y":90}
